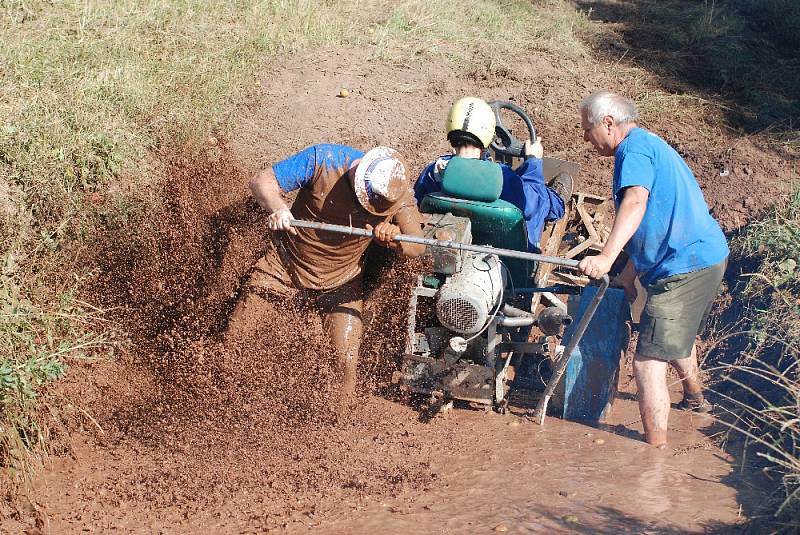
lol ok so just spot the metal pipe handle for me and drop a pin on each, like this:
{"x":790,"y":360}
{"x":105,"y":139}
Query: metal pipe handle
{"x":541,"y":407}
{"x":447,"y":244}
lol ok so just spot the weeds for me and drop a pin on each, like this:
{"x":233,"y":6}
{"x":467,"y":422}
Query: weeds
{"x":40,"y":342}
{"x":760,"y":378}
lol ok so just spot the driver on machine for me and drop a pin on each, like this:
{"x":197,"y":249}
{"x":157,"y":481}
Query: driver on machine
{"x":470,"y":128}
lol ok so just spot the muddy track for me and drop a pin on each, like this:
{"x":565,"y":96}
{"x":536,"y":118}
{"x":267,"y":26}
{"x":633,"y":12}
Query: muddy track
{"x":201,"y":434}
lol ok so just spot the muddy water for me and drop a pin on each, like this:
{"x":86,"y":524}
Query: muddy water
{"x":386,"y":471}
{"x":518,"y":478}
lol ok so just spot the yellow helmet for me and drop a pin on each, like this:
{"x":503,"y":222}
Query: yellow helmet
{"x":473,"y":119}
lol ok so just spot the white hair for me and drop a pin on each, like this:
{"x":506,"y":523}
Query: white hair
{"x":603,"y":103}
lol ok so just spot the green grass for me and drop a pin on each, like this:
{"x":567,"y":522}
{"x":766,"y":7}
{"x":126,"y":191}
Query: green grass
{"x":479,"y":33}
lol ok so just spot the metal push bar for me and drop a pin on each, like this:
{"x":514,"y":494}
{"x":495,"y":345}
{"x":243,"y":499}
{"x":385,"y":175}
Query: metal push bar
{"x":561,"y":366}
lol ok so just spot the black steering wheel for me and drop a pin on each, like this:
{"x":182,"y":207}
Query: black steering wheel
{"x":504,"y":142}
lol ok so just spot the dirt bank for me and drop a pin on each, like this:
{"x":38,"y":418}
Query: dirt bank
{"x":203,"y":435}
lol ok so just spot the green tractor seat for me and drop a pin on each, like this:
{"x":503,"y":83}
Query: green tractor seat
{"x":471,"y":188}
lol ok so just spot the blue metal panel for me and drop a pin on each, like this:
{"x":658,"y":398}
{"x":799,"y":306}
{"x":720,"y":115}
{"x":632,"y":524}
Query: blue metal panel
{"x":590,"y":380}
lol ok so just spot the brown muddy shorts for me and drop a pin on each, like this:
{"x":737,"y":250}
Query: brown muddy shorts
{"x":676,"y":312}
{"x":271,"y":280}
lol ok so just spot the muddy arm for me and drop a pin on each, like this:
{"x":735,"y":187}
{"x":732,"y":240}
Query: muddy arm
{"x":410,"y":223}
{"x":266,"y":191}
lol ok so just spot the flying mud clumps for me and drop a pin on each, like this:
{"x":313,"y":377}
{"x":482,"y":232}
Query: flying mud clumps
{"x":255,"y":416}
{"x":388,"y":283}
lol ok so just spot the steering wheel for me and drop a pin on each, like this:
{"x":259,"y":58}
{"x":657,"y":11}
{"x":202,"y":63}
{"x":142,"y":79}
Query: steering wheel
{"x":504,"y":142}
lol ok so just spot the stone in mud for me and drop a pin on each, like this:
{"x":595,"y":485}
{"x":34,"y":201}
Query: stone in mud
{"x":501,"y":528}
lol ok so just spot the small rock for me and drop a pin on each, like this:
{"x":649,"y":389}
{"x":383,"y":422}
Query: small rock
{"x":563,"y":493}
{"x":212,"y":140}
{"x":599,"y":441}
{"x":344,"y":93}
{"x":570,"y":519}
{"x":501,"y":528}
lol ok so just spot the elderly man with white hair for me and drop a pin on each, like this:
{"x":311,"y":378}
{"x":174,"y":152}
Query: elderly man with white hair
{"x":339,"y":185}
{"x":674,"y":246}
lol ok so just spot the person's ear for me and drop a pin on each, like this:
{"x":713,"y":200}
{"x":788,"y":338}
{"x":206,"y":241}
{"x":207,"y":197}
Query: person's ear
{"x":608,"y":122}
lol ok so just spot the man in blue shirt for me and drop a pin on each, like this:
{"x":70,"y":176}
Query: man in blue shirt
{"x":674,"y":246}
{"x":339,"y":185}
{"x":470,"y":129}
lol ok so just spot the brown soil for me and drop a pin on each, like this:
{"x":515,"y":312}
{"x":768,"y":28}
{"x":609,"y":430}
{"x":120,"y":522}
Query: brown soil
{"x":192,"y":433}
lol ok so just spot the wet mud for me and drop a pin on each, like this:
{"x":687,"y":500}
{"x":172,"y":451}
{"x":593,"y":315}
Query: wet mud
{"x":194,"y":432}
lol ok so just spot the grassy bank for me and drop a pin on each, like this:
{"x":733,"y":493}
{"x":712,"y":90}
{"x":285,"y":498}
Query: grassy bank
{"x":92,"y":93}
{"x":739,"y":56}
{"x":758,"y":363}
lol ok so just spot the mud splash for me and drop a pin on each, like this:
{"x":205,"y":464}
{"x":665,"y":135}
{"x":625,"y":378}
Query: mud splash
{"x":254,"y":416}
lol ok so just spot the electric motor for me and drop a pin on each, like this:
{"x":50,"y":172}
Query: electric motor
{"x":468,"y":298}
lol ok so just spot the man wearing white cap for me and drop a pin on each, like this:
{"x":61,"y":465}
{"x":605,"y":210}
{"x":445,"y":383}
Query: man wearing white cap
{"x":338,"y":185}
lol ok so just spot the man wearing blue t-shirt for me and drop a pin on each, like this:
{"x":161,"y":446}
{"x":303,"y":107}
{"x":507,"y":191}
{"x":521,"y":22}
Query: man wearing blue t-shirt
{"x":339,"y":185}
{"x":674,"y":246}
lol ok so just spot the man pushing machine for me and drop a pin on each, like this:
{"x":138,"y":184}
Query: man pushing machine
{"x":337,"y":185}
{"x":675,"y":247}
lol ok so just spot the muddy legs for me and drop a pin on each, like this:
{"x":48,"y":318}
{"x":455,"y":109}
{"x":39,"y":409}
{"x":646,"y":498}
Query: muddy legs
{"x":340,"y":309}
{"x":689,"y":373}
{"x":651,"y":381}
{"x":343,"y":325}
{"x":341,"y":317}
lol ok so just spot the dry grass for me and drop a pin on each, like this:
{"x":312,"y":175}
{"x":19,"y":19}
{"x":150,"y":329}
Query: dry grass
{"x":758,"y":368}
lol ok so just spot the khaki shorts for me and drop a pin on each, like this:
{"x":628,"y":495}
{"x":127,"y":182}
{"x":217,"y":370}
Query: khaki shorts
{"x":676,"y":312}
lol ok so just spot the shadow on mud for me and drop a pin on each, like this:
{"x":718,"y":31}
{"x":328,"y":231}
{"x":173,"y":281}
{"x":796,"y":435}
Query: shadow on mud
{"x":616,"y":521}
{"x":742,"y":53}
{"x":731,"y":340}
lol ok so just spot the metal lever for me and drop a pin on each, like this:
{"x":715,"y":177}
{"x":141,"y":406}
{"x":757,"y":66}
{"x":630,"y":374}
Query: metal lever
{"x":558,"y":373}
{"x":509,"y":253}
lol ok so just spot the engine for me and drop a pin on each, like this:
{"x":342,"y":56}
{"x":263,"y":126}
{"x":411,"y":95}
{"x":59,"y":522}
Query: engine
{"x":468,"y":299}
